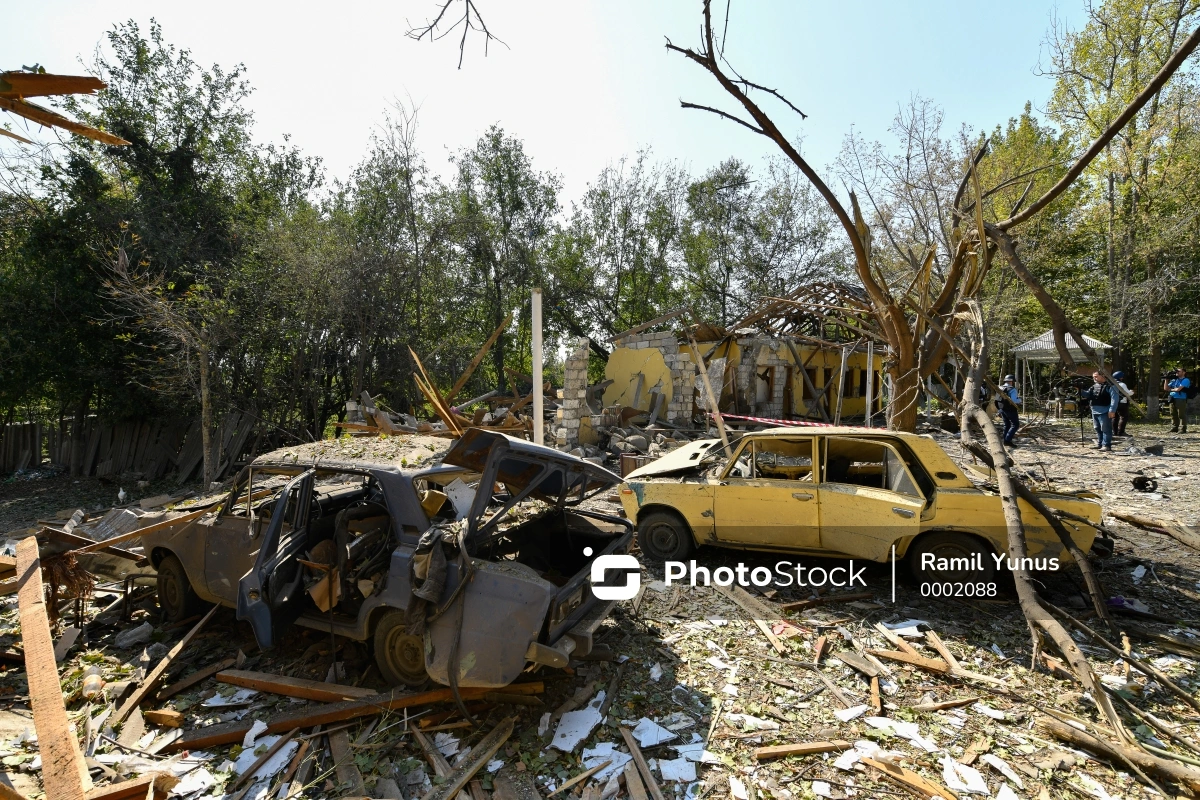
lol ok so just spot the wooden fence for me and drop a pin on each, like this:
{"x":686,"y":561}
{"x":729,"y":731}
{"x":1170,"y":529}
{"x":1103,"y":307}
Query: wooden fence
{"x":153,"y":448}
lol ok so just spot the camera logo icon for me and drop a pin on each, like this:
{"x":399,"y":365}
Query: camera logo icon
{"x":626,"y":566}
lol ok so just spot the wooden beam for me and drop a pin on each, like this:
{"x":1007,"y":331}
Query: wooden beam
{"x":293,"y":687}
{"x":75,"y":540}
{"x":647,"y":777}
{"x":441,"y":767}
{"x":166,"y":523}
{"x":164,"y":717}
{"x":474,"y":761}
{"x":331,"y":713}
{"x":64,"y":774}
{"x":808,"y":748}
{"x":650,"y":324}
{"x":196,"y":677}
{"x":138,"y":788}
{"x":9,"y":793}
{"x":910,"y":780}
{"x":478,"y":359}
{"x":931,"y":664}
{"x":142,"y":693}
{"x":825,"y":599}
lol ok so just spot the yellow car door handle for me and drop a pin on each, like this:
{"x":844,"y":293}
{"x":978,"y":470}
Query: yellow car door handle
{"x":904,"y":512}
{"x":802,"y":495}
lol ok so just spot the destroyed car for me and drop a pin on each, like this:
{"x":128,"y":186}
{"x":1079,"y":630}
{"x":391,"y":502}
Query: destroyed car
{"x":419,"y":562}
{"x":840,"y":492}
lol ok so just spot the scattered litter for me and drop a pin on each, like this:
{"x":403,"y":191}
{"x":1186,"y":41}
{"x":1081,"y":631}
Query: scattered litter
{"x":239,"y":698}
{"x":272,"y":765}
{"x":680,"y":770}
{"x":544,"y":724}
{"x":649,"y":733}
{"x":962,"y":778}
{"x":905,"y":730}
{"x":575,"y":726}
{"x":909,"y":628}
{"x":195,"y":781}
{"x":495,"y":766}
{"x":259,"y":727}
{"x":750,"y":723}
{"x":696,"y":752}
{"x":1001,"y":766}
{"x":717,"y":663}
{"x":847,"y":714}
{"x":134,"y":636}
{"x":446,"y":744}
{"x":1005,"y":793}
{"x":1139,"y":573}
{"x":605,"y":751}
{"x":847,"y":760}
{"x":822,"y":789}
{"x":999,"y":653}
{"x":988,"y":711}
{"x":656,"y":673}
{"x":1130,"y":603}
{"x":737,"y":788}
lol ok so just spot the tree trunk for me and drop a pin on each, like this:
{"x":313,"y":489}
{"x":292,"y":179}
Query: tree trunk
{"x":206,"y":418}
{"x":902,"y":405}
{"x":1153,"y":379}
{"x":78,"y":441}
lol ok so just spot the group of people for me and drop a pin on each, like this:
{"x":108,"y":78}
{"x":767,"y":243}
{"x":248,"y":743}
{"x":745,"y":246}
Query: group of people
{"x":1109,"y":404}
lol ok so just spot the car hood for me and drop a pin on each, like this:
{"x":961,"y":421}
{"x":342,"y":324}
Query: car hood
{"x":682,"y":460}
{"x":520,"y":462}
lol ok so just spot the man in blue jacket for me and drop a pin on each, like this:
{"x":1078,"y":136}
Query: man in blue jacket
{"x":1103,"y":398}
{"x":1178,"y":388}
{"x":1008,"y":403}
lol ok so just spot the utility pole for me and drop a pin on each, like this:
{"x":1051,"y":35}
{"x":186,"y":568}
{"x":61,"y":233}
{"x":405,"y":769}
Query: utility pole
{"x":539,"y":434}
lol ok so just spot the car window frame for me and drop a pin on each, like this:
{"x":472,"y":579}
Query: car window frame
{"x":889,"y":446}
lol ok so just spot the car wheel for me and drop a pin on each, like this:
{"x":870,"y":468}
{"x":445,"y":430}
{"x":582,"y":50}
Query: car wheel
{"x":176,"y":596}
{"x":399,"y":655}
{"x":663,"y":536}
{"x":957,"y":558}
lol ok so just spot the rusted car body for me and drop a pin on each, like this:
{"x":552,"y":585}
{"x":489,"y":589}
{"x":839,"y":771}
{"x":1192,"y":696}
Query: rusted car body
{"x":289,"y":538}
{"x":833,"y":491}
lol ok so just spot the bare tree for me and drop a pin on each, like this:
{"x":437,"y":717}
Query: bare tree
{"x":469,"y":21}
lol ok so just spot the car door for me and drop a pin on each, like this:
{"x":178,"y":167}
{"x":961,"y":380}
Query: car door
{"x":768,"y":495}
{"x":867,"y":498}
{"x":270,"y":595}
{"x":231,"y":543}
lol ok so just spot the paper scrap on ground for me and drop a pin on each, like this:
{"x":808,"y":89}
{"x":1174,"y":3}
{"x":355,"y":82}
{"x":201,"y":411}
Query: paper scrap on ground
{"x":544,"y":724}
{"x":847,"y":714}
{"x":988,"y":711}
{"x":1005,"y":793}
{"x":656,"y":673}
{"x":605,"y":751}
{"x":909,"y":628}
{"x":905,"y":730}
{"x":750,"y":723}
{"x":962,"y":778}
{"x":998,"y":764}
{"x":575,"y":726}
{"x":447,"y":744}
{"x":821,"y":789}
{"x":273,"y":764}
{"x":649,"y":733}
{"x":259,"y":727}
{"x":495,"y":766}
{"x":196,"y":781}
{"x":696,"y":752}
{"x":239,"y":698}
{"x":737,"y":788}
{"x":679,"y":770}
{"x":717,"y":663}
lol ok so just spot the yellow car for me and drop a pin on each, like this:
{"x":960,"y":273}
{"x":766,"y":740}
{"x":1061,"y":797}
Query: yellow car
{"x":844,"y":493}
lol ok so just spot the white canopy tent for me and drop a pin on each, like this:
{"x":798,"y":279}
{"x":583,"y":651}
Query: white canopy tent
{"x":1041,"y":350}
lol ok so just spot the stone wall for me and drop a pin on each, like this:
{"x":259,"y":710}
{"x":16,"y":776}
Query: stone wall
{"x":574,"y":396}
{"x":678,"y":407}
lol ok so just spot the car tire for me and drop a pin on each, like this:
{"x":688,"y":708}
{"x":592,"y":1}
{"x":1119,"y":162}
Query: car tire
{"x":950,"y":545}
{"x":399,"y":655}
{"x":663,"y":536}
{"x":176,"y":597}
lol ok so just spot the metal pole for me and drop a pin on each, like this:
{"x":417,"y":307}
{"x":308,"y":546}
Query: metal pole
{"x":539,"y":433}
{"x":870,"y":382}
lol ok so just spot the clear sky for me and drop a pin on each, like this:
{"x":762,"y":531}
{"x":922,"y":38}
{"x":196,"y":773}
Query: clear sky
{"x":582,"y":82}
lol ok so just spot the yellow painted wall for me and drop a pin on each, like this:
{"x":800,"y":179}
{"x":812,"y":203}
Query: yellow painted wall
{"x":624,"y":365}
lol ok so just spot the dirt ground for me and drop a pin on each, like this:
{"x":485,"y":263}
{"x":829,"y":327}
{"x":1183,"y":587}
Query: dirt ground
{"x":696,"y":662}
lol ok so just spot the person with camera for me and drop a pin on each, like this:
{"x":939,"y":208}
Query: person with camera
{"x":1122,"y":418}
{"x":1178,"y":391}
{"x":1103,"y":397}
{"x":1007,"y":402}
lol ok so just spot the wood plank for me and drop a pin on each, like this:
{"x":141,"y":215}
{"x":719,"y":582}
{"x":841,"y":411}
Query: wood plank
{"x":64,"y":774}
{"x":195,"y":678}
{"x":633,"y":782}
{"x":164,"y":717}
{"x":142,"y":693}
{"x":474,"y":761}
{"x":807,"y":748}
{"x":293,"y":687}
{"x":477,"y":360}
{"x":157,"y":526}
{"x":931,"y":664}
{"x":441,"y":766}
{"x":937,"y":644}
{"x":647,"y":777}
{"x":854,"y":660}
{"x":826,"y":599}
{"x":82,"y":543}
{"x":910,"y":779}
{"x":9,"y":793}
{"x":330,"y":713}
{"x":139,"y":788}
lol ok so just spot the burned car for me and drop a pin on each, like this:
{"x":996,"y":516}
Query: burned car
{"x":840,"y":492}
{"x":486,"y":556}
